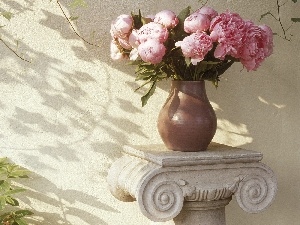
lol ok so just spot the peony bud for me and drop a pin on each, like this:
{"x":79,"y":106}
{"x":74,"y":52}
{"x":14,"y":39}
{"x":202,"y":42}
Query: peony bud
{"x":152,"y":51}
{"x":196,"y":22}
{"x":166,"y":18}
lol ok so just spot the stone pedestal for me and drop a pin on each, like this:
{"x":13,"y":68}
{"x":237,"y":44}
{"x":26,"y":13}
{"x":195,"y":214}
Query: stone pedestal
{"x":191,"y":187}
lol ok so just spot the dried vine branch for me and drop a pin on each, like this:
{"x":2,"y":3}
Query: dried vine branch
{"x":203,"y":4}
{"x":19,"y":56}
{"x":72,"y":27}
{"x":278,"y":19}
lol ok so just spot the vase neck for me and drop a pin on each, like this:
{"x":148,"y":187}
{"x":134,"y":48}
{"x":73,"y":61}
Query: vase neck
{"x":192,"y":88}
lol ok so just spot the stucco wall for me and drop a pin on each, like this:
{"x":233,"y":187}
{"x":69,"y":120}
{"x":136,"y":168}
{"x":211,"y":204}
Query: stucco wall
{"x":67,"y":115}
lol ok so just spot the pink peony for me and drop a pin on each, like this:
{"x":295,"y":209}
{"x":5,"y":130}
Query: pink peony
{"x":121,"y":27}
{"x":134,"y":39}
{"x":269,"y":39}
{"x":258,"y":44}
{"x":196,"y":22}
{"x":166,"y":18}
{"x":210,"y":12}
{"x":124,"y":42}
{"x":228,"y":29}
{"x":195,"y":46}
{"x":115,"y":52}
{"x":153,"y":31}
{"x":152,"y":51}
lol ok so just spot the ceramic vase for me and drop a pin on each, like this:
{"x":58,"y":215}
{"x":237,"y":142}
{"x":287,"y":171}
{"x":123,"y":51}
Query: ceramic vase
{"x":187,"y":121}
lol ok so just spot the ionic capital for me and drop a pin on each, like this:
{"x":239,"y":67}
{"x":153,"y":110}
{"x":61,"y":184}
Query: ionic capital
{"x":161,"y":180}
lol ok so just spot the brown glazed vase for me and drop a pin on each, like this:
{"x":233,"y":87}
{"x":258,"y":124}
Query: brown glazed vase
{"x":187,"y":121}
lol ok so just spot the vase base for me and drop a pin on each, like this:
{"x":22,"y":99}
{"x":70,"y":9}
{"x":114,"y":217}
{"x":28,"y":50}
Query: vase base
{"x":187,"y":149}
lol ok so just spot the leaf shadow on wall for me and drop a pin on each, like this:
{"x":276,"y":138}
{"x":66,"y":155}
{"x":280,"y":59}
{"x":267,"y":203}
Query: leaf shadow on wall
{"x":53,"y":199}
{"x":25,"y":123}
{"x":50,"y":122}
{"x":17,"y":7}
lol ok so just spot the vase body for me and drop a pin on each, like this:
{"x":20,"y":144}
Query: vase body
{"x":187,"y":121}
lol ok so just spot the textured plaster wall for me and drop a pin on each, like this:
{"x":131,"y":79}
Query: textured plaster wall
{"x":67,"y":115}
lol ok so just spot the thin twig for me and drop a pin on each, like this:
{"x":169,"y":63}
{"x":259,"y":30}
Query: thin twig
{"x":289,"y":26}
{"x":283,"y":3}
{"x":203,"y":4}
{"x":273,"y":16}
{"x":14,"y":51}
{"x":74,"y":30}
{"x":279,"y":19}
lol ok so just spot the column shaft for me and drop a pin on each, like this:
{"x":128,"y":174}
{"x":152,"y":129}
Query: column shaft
{"x":202,"y":213}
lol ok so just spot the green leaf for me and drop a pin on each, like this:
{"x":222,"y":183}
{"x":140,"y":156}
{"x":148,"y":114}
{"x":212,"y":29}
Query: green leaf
{"x":179,"y":29}
{"x":2,"y":202}
{"x":137,"y":20}
{"x":145,"y":20}
{"x":162,"y":76}
{"x":210,"y":62}
{"x":295,"y":20}
{"x":7,"y":15}
{"x":15,"y":172}
{"x":4,"y":186}
{"x":78,"y":3}
{"x":135,"y":62}
{"x":21,"y":222}
{"x":3,"y":161}
{"x":4,"y":215}
{"x":144,"y":76}
{"x":22,"y":213}
{"x":201,"y":67}
{"x":149,"y":93}
{"x":184,"y":14}
{"x":3,"y":171}
{"x":12,"y":201}
{"x":72,"y":18}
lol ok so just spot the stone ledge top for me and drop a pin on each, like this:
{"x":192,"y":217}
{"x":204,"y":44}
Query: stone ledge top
{"x":215,"y":154}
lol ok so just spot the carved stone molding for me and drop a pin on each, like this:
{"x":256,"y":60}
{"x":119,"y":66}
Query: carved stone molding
{"x":163,"y":181}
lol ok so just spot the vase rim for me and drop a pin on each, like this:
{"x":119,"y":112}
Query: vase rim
{"x":189,"y":81}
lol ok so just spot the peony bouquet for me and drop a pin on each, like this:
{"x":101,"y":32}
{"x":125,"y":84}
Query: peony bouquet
{"x":198,"y":45}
